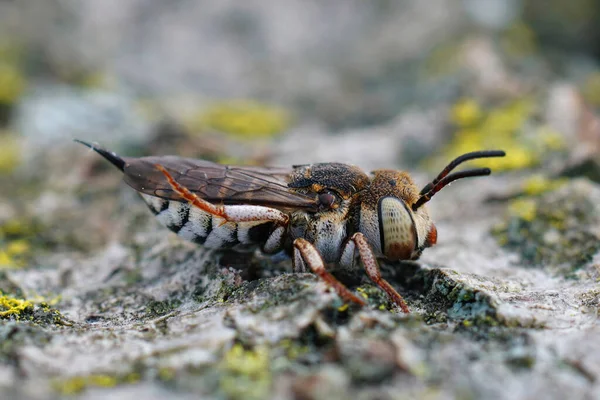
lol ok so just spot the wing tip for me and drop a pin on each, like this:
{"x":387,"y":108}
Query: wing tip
{"x":112,"y":157}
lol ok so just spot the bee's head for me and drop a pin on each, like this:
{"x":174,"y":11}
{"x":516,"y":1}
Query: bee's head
{"x":393,"y":228}
{"x":393,"y":216}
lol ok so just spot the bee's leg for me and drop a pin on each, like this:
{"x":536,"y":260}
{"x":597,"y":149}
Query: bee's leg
{"x":348,"y":255}
{"x":228,"y":213}
{"x":372,"y":268}
{"x":304,"y":250}
{"x":298,"y":262}
{"x":275,"y":240}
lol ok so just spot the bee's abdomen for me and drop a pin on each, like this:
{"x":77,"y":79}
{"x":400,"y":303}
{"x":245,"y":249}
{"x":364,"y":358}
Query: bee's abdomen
{"x":198,"y":226}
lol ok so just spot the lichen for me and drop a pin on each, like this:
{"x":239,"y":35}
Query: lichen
{"x":78,"y":384}
{"x":518,"y":40}
{"x":245,"y":373}
{"x":12,"y":79}
{"x":241,"y":118}
{"x":555,"y":230}
{"x":13,"y":307}
{"x":14,"y":254}
{"x":538,"y":184}
{"x":524,"y":209}
{"x":502,"y":127}
{"x":591,"y":89}
{"x":10,"y":151}
{"x":457,"y":300}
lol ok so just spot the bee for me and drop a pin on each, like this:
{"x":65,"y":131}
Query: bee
{"x":319,"y":214}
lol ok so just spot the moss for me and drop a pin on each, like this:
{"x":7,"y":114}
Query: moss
{"x":245,"y":373}
{"x":241,"y":118}
{"x":13,"y":307}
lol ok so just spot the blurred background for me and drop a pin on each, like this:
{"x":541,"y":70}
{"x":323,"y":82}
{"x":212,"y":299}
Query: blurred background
{"x":378,"y":83}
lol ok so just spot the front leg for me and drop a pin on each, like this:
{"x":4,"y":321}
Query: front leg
{"x":307,"y":253}
{"x":369,"y":261}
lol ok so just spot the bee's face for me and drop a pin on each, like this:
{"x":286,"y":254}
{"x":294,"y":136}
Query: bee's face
{"x":393,"y":229}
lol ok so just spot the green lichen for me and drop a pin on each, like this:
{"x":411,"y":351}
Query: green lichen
{"x":241,"y":118}
{"x":157,"y":308}
{"x":456,"y":300}
{"x":245,"y":373}
{"x":555,"y":230}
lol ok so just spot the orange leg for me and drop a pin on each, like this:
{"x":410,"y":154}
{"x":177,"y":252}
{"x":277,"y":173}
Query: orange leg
{"x":372,"y":268}
{"x":313,"y":259}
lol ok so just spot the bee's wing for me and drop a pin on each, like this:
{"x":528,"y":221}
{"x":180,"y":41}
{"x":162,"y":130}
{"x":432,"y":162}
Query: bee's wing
{"x":216,"y":183}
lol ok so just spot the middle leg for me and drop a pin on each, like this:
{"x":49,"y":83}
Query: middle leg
{"x":306,"y":253}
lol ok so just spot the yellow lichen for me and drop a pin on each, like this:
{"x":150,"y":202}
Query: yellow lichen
{"x":6,"y":261}
{"x":538,"y":184}
{"x":519,"y":40}
{"x":343,"y":307}
{"x":246,"y":374}
{"x":241,"y":118}
{"x":443,"y":60}
{"x":591,"y":89}
{"x":13,"y":306}
{"x":524,"y":209}
{"x":17,"y":227}
{"x":10,"y":150}
{"x":78,"y":384}
{"x":498,"y":128}
{"x":12,"y":82}
{"x":550,"y":139}
{"x":362,"y":292}
{"x":293,"y":350}
{"x":466,"y":113}
{"x":14,"y":254}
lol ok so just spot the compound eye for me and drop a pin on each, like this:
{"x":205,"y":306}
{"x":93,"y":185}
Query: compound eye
{"x":326,"y":199}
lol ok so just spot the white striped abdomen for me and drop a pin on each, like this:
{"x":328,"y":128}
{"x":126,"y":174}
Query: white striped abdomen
{"x":196,"y":225}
